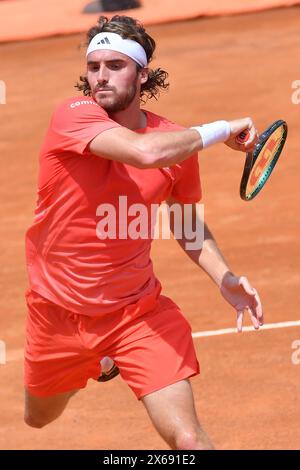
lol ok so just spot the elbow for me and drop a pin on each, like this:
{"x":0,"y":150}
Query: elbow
{"x":142,"y":162}
{"x":148,"y":161}
{"x":155,"y":158}
{"x":144,"y":159}
{"x":148,"y":155}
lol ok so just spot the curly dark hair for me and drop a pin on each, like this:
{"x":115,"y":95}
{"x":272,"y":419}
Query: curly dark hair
{"x":129,"y":28}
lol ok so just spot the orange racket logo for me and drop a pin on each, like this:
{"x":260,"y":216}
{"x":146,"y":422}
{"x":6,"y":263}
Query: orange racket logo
{"x":264,"y":160}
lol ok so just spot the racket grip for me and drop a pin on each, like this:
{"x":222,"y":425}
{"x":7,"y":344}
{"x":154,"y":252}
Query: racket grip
{"x":243,"y":137}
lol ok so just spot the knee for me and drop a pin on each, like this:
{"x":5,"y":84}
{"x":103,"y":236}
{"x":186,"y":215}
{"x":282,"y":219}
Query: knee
{"x":35,"y":421}
{"x":192,"y":440}
{"x":186,"y":440}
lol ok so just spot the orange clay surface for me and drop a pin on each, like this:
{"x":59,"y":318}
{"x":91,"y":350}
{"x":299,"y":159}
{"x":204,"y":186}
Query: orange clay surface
{"x":247,"y":395}
{"x":32,"y":19}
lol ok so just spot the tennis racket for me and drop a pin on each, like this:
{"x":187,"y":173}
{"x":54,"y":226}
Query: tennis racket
{"x":262,"y":160}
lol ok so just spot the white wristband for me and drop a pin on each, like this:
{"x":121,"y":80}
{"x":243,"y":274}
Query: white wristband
{"x":213,"y":133}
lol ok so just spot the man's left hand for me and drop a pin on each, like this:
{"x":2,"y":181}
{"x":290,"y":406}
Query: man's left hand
{"x":243,"y":297}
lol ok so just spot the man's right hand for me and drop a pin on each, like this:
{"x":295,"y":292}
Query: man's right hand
{"x":237,"y":126}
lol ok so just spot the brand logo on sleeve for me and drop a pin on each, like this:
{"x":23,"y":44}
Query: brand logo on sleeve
{"x":79,"y":103}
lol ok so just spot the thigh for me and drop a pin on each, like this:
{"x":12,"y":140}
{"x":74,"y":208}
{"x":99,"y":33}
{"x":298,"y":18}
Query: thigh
{"x":156,"y":350}
{"x":172,"y":407}
{"x":42,"y":410}
{"x":46,"y":405}
{"x":172,"y":412}
{"x":56,"y":361}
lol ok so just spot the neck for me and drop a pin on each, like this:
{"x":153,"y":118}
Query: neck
{"x":132,"y":117}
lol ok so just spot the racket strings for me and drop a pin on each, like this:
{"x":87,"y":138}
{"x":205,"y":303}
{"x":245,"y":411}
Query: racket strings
{"x":277,"y":136}
{"x":264,"y":168}
{"x":276,"y":147}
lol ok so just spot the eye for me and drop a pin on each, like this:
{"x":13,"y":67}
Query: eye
{"x":94,"y":68}
{"x":114,"y":66}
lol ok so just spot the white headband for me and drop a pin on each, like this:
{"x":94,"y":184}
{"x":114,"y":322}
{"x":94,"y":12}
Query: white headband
{"x":114,"y":42}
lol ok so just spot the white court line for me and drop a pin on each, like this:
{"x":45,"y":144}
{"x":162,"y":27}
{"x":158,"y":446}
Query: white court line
{"x":14,"y":355}
{"x":227,"y":331}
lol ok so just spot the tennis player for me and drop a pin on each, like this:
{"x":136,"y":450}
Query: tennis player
{"x":92,"y":291}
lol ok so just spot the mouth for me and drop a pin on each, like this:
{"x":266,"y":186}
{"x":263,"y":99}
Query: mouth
{"x":104,"y":90}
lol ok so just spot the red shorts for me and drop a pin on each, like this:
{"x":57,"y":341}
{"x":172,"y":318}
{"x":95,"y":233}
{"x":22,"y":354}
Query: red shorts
{"x":150,"y":341}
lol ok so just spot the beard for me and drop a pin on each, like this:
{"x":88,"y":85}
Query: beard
{"x":115,"y":103}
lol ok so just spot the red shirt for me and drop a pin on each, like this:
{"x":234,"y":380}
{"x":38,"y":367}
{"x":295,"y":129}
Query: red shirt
{"x":68,"y":263}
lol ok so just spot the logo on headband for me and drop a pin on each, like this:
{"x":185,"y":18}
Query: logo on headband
{"x":104,"y":41}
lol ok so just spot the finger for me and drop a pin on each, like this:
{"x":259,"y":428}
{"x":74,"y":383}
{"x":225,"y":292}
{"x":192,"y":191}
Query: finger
{"x":257,"y":305}
{"x":254,"y":135}
{"x":239,"y":321}
{"x":258,"y":309}
{"x":251,"y":142}
{"x":253,"y":292}
{"x":250,"y":146}
{"x":253,"y":317}
{"x":244,"y":141}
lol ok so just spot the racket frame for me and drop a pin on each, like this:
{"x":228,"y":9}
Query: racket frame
{"x":251,"y":158}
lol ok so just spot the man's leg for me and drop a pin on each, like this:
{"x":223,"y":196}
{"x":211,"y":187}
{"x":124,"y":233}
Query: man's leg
{"x":40,"y":411}
{"x":172,"y":412}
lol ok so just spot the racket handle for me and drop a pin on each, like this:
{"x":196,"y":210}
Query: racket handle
{"x":243,"y":137}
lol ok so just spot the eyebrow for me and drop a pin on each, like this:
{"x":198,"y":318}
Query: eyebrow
{"x":93,"y":62}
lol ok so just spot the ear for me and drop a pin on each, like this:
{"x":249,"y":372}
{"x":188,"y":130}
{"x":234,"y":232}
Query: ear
{"x":144,"y":73}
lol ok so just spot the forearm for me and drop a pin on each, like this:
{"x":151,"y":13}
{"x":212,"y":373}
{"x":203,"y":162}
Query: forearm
{"x":163,"y":149}
{"x":167,"y":149}
{"x":208,"y":257}
{"x":211,"y":260}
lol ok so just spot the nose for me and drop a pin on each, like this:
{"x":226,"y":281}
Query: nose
{"x":102,"y":76}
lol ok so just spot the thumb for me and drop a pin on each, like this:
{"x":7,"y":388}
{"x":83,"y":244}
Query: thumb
{"x":243,"y":282}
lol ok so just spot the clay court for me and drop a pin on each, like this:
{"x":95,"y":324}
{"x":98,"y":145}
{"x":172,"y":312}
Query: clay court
{"x":247,"y":395}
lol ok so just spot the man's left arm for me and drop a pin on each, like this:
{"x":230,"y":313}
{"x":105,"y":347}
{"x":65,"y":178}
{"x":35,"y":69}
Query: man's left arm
{"x":236,"y":290}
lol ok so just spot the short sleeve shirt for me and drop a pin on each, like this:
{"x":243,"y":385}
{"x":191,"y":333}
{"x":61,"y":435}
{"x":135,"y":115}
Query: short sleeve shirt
{"x":88,"y":248}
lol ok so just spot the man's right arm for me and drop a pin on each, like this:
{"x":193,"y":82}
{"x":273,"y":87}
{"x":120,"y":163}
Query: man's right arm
{"x":161,"y":149}
{"x":151,"y":150}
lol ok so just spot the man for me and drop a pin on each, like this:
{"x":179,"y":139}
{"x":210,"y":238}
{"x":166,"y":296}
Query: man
{"x":93,"y":294}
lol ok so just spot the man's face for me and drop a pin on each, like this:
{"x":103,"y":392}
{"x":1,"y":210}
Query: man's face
{"x":113,"y":79}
